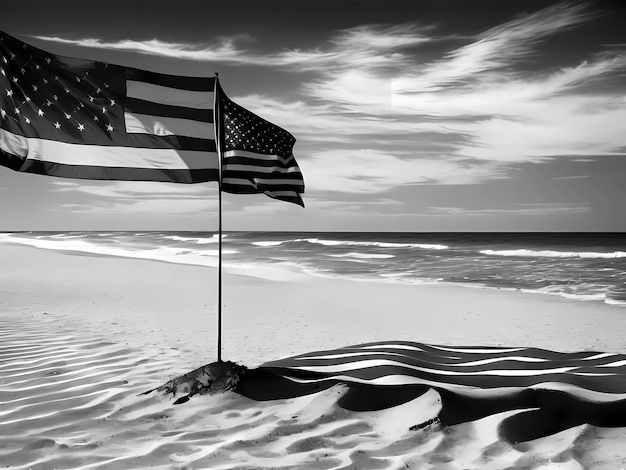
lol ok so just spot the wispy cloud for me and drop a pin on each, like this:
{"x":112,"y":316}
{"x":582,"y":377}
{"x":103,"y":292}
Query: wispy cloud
{"x":370,"y":46}
{"x":223,"y":50}
{"x":376,"y":47}
{"x":134,"y":189}
{"x":124,"y":197}
{"x":161,"y":206}
{"x":476,"y":90}
{"x":572,"y":177}
{"x":495,"y":49}
{"x":517,"y":209}
{"x":375,"y":171}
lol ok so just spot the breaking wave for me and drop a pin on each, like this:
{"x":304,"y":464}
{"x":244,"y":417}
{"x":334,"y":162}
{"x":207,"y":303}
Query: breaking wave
{"x":556,"y":254}
{"x":362,"y":255}
{"x":325,"y":242}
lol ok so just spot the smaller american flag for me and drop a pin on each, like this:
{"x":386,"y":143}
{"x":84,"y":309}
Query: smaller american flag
{"x":257,"y":156}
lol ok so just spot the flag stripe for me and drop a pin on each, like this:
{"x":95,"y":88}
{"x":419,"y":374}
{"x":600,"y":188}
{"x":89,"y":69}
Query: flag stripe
{"x":485,"y":381}
{"x":185,"y":176}
{"x":171,"y":81}
{"x":127,"y":140}
{"x":279,"y":166}
{"x":479,"y":370}
{"x":253,"y":169}
{"x":290,"y":196}
{"x":169,"y":142}
{"x":246,"y":155}
{"x":162,"y":125}
{"x":470,"y":391}
{"x":503,"y":362}
{"x":383,"y":362}
{"x":94,"y":155}
{"x":233,"y":183}
{"x":157,"y":109}
{"x":169,"y":96}
{"x":275,"y":182}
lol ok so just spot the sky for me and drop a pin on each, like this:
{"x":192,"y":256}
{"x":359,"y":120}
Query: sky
{"x":414,"y":116}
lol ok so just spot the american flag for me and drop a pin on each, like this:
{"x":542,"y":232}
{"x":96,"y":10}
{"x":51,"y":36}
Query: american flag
{"x":471,"y":371}
{"x":78,"y":118}
{"x":257,"y":155}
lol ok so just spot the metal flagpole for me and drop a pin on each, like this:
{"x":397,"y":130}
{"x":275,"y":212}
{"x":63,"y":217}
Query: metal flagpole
{"x":218,"y":138}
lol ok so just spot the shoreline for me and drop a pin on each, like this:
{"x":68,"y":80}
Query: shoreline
{"x":284,"y":273}
{"x":167,"y":305}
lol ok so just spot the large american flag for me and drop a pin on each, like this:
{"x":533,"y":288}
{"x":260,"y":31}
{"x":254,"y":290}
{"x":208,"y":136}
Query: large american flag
{"x":471,"y":371}
{"x":78,"y":118}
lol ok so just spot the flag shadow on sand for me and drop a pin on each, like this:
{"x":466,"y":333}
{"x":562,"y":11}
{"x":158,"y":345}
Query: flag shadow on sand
{"x":553,"y":391}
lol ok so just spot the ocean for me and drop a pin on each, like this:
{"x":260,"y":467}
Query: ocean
{"x":580,"y":266}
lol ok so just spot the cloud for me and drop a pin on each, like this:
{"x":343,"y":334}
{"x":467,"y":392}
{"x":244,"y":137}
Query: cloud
{"x":517,"y":210}
{"x":572,"y":177}
{"x":371,"y":46}
{"x":132,"y":197}
{"x":498,"y":47}
{"x":376,"y":47}
{"x":500,"y":112}
{"x":223,"y":50}
{"x":161,"y":206}
{"x":243,"y":209}
{"x":135,"y":189}
{"x":375,"y":171}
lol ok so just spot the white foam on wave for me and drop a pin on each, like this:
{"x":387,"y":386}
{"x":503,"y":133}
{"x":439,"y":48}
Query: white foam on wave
{"x":425,"y":246}
{"x":198,"y":240}
{"x":362,"y":255}
{"x":284,"y":271}
{"x":168,"y":254}
{"x":268,"y":243}
{"x":65,"y":236}
{"x":559,"y":291}
{"x":556,"y":254}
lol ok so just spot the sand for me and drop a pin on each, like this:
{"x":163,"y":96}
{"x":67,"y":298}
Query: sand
{"x":82,"y":336}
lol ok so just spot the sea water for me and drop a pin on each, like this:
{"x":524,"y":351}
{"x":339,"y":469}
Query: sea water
{"x":580,"y":266}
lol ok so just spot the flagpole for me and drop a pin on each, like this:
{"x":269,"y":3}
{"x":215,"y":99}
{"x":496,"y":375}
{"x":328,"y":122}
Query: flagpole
{"x":219,"y":274}
{"x":218,"y":138}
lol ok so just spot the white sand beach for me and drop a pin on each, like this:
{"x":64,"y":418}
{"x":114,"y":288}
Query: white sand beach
{"x":82,"y":336}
